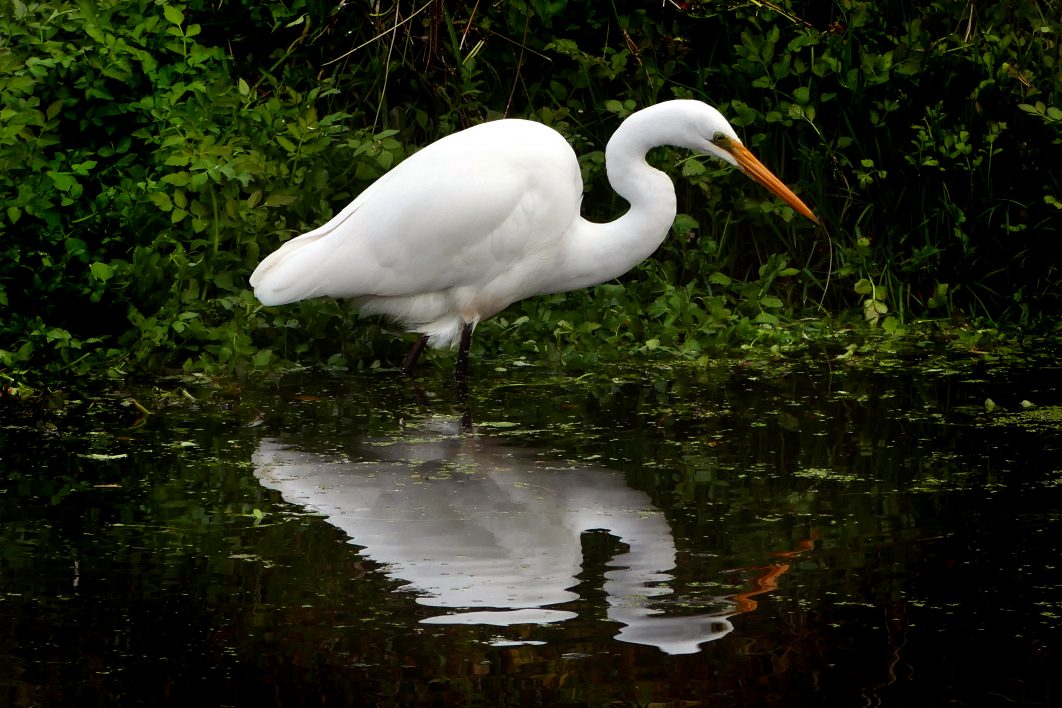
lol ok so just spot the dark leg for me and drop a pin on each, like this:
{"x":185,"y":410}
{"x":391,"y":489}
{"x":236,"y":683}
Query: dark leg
{"x":461,"y":371}
{"x":414,"y":354}
{"x":466,"y":418}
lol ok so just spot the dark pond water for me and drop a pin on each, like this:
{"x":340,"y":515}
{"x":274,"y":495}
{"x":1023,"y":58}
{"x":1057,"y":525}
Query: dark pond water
{"x":790,"y":534}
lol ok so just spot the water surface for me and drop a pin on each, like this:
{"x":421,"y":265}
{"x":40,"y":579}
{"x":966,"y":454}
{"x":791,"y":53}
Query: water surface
{"x":808,"y":533}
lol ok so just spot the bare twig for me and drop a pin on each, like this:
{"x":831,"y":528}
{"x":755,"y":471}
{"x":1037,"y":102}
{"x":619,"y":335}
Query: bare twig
{"x":392,"y":30}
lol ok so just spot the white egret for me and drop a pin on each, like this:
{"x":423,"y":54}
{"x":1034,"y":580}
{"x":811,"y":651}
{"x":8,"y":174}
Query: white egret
{"x":490,"y":215}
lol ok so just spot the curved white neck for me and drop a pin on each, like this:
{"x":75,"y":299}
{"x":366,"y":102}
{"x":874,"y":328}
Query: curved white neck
{"x":595,"y":253}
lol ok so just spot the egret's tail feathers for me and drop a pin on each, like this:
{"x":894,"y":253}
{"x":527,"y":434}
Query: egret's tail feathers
{"x":295,"y":272}
{"x":286,"y":275}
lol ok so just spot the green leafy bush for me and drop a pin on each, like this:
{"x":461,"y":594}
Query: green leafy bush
{"x":152,"y":152}
{"x":140,"y":175}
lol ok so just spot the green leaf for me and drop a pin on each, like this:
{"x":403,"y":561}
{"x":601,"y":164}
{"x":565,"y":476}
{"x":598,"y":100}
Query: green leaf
{"x":57,"y":333}
{"x":173,"y":15}
{"x":279,"y":199}
{"x":101,"y":271}
{"x":161,"y":200}
{"x":223,"y":280}
{"x":892,"y":325}
{"x":766,"y":318}
{"x":62,"y":181}
{"x":286,"y":144}
{"x":177,"y":179}
{"x":692,"y":168}
{"x":262,"y":358}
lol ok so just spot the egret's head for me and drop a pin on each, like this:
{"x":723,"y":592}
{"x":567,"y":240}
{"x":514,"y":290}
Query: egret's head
{"x":718,"y":138}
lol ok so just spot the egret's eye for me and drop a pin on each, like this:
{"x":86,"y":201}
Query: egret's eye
{"x":721,"y":140}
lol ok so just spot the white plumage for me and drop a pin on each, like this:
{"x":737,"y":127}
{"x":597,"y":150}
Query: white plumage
{"x":490,"y":215}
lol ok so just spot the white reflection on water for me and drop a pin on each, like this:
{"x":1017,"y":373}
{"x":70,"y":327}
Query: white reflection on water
{"x":492,"y":532}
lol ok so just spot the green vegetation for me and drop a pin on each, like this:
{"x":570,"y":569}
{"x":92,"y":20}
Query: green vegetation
{"x":151,"y":153}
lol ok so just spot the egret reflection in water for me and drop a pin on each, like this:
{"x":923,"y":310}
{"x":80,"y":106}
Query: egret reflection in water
{"x":492,"y":533}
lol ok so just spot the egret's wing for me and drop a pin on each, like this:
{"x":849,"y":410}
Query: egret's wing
{"x":459,"y":212}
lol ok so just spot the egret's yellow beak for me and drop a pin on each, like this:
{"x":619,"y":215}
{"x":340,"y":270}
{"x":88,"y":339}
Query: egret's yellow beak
{"x":755,"y":169}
